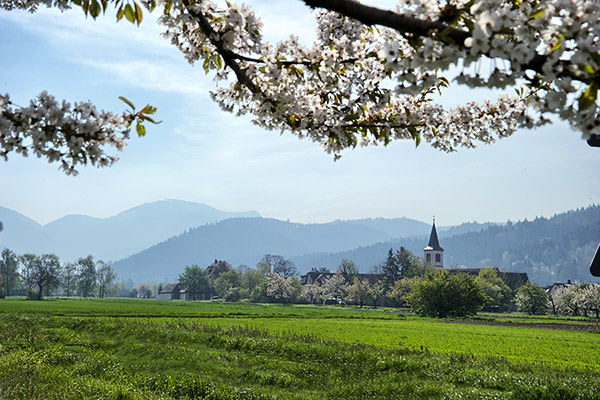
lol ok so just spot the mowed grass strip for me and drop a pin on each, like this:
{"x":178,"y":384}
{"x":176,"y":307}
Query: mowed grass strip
{"x":154,"y":308}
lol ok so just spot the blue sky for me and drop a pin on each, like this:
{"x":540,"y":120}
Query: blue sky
{"x":202,"y":154}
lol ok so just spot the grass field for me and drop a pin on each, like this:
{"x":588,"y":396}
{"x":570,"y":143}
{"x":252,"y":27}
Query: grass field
{"x":136,"y":349}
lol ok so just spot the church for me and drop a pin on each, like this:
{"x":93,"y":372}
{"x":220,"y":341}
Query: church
{"x":434,"y":253}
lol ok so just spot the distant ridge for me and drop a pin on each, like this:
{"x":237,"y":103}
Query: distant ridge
{"x":555,"y":249}
{"x":111,"y":238}
{"x":157,"y":240}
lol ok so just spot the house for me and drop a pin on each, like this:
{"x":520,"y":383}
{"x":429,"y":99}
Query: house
{"x":555,"y":287}
{"x":172,"y":292}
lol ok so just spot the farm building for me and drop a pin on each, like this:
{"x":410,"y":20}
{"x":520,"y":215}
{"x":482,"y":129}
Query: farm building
{"x":172,"y":292}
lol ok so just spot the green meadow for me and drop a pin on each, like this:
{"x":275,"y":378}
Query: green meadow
{"x":146,"y":349}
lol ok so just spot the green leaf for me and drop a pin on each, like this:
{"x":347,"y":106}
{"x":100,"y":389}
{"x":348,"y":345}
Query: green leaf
{"x":141,"y":131}
{"x":417,"y":140}
{"x":95,"y":9}
{"x":148,"y":109}
{"x":587,"y":68}
{"x":218,"y":61}
{"x":146,"y":118}
{"x":76,"y":2}
{"x":537,"y":13}
{"x":120,"y":13}
{"x":596,"y":57}
{"x":130,"y":104}
{"x":129,"y":13}
{"x":138,"y":13}
{"x":588,"y":98}
{"x":168,"y":6}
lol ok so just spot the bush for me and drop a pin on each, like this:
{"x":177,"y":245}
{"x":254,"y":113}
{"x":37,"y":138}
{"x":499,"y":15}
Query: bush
{"x":443,"y":295}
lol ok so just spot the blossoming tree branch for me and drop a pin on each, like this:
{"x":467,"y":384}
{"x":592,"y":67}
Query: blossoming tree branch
{"x":371,"y":76}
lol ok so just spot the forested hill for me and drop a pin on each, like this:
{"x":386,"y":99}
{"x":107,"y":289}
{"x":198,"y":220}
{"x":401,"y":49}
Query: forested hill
{"x":548,"y":249}
{"x":244,"y":241}
{"x":109,"y":238}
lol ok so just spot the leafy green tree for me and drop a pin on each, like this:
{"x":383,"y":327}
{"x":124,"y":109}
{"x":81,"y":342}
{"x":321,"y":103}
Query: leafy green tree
{"x":444,"y":295}
{"x":399,"y":292}
{"x":106,"y":277}
{"x":9,"y":264}
{"x":377,"y":292}
{"x":195,"y":280}
{"x":349,"y":271}
{"x":144,"y":290}
{"x":532,"y":299}
{"x":251,"y":280}
{"x":412,"y":266}
{"x":360,"y":291}
{"x":41,"y":272}
{"x":86,"y":277}
{"x":296,"y":288}
{"x":68,"y":278}
{"x":494,"y":287}
{"x":403,"y":264}
{"x":264,"y":268}
{"x":227,"y":285}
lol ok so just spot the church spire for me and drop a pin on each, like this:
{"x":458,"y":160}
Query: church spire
{"x":434,"y":253}
{"x":434,"y":243}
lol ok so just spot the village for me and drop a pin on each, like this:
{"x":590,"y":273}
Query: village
{"x":389,"y":285}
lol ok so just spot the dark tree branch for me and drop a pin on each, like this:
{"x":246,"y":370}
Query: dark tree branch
{"x":410,"y":25}
{"x":228,"y":56}
{"x":376,"y":16}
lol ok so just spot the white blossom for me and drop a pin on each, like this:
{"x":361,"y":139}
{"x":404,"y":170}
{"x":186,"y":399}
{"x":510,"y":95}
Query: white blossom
{"x":359,"y":85}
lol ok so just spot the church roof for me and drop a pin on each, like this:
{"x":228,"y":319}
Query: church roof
{"x":434,"y":243}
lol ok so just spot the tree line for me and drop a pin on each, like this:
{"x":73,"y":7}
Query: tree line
{"x":403,"y":280}
{"x":36,"y":276}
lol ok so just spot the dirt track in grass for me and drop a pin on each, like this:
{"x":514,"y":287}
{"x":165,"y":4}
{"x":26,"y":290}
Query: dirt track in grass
{"x":590,"y":326}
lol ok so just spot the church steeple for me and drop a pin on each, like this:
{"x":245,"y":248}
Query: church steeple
{"x":434,"y":243}
{"x":434,"y":253}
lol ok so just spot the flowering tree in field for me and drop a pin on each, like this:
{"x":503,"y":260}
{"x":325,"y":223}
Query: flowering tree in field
{"x":279,"y":288}
{"x":372,"y":75}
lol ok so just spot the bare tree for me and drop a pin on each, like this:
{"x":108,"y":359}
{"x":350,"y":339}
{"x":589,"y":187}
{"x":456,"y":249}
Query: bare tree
{"x":279,"y":265}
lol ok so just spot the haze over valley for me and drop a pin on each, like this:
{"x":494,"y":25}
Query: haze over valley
{"x":155,"y":241}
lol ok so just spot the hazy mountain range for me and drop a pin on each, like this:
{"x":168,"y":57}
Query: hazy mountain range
{"x":155,"y":241}
{"x":112,"y":238}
